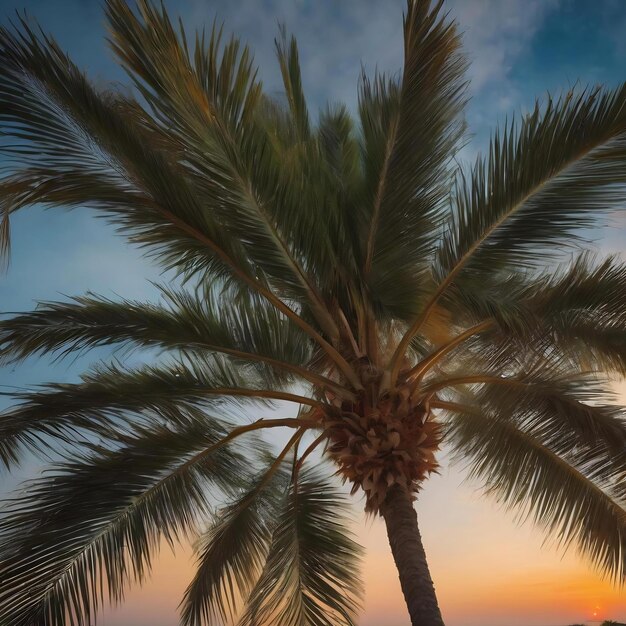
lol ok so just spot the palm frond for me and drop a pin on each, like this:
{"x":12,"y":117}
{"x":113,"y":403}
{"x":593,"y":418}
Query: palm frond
{"x":411,"y":130}
{"x":548,"y":395}
{"x":586,"y":283}
{"x":539,"y":472}
{"x":574,"y":407}
{"x":247,"y":330}
{"x":342,"y":180}
{"x":288,"y":59}
{"x":78,"y":146}
{"x":311,"y":574}
{"x":547,"y":177}
{"x":592,"y":344}
{"x":232,"y":553}
{"x":583,"y":308}
{"x":208,"y":102}
{"x":576,"y":311}
{"x":252,"y":181}
{"x":501,"y":297}
{"x":111,"y":398}
{"x":93,"y":524}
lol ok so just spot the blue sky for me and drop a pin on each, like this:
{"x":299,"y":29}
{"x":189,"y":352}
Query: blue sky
{"x":519,"y":50}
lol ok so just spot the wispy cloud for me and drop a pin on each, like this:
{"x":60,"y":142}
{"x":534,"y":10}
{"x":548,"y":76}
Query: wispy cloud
{"x":498,"y":33}
{"x":336,"y":39}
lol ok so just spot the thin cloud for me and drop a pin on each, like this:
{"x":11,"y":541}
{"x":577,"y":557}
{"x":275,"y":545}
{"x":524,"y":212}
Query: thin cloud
{"x":336,"y":39}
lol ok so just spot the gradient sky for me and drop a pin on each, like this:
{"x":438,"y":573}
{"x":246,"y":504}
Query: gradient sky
{"x":487,"y":570}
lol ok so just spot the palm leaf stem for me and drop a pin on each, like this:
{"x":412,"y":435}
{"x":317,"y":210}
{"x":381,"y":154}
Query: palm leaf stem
{"x":472,"y":380}
{"x":286,"y":422}
{"x":275,"y":466}
{"x":303,"y":457}
{"x":450,"y":406}
{"x":423,"y":366}
{"x":346,"y":326}
{"x":391,"y":140}
{"x":264,"y":393}
{"x":312,"y":377}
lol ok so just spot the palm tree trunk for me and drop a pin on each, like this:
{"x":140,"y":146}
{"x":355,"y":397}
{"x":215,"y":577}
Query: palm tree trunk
{"x":408,"y":553}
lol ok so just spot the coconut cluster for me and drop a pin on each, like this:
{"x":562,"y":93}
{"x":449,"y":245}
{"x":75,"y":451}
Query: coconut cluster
{"x":379,"y":448}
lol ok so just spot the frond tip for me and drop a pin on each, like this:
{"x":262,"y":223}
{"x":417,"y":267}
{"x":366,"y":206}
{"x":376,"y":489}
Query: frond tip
{"x":311,"y":573}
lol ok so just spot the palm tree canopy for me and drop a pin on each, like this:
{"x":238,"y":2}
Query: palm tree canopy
{"x":347,"y":266}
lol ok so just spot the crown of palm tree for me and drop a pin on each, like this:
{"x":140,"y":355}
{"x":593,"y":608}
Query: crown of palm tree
{"x":348,"y":267}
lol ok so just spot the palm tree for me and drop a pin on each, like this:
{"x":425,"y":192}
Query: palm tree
{"x":349,"y":269}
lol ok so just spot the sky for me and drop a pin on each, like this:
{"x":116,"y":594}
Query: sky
{"x":488,"y":570}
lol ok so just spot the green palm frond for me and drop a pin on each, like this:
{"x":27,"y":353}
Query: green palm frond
{"x":502,"y":296}
{"x":342,"y":176}
{"x":544,"y":395}
{"x":171,"y":218}
{"x":598,"y":346}
{"x":576,"y":408}
{"x":584,"y":309}
{"x":547,"y":177}
{"x":576,"y":313}
{"x":539,"y":472}
{"x":585,"y":284}
{"x":216,"y":218}
{"x":542,"y":392}
{"x":111,"y":398}
{"x":578,"y":403}
{"x":69,"y":135}
{"x":185,"y":87}
{"x":249,"y":330}
{"x":93,"y":524}
{"x":411,"y":130}
{"x":232,"y":553}
{"x":339,"y":146}
{"x":288,"y":59}
{"x":311,"y":574}
{"x":207,"y":100}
